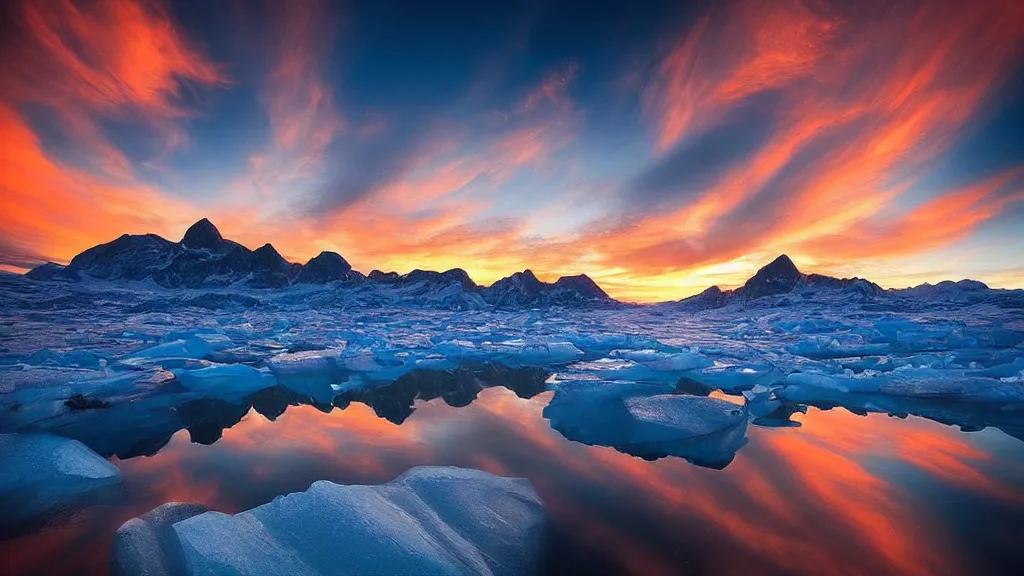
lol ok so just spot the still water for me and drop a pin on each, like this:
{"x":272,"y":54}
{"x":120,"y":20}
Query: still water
{"x":840,"y":494}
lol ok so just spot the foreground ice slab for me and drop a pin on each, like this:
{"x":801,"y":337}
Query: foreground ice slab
{"x":147,"y":544}
{"x":637,"y":419}
{"x":42,"y":476}
{"x":430,"y":520}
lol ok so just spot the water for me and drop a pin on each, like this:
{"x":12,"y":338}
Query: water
{"x":842,"y":494}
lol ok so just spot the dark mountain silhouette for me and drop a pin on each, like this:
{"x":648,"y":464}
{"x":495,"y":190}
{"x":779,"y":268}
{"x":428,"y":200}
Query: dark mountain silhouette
{"x":524,"y":289}
{"x":324,"y":267}
{"x":126,"y":258}
{"x":202,"y":234}
{"x":456,"y":275}
{"x":781,"y":277}
{"x":778,"y":277}
{"x":204,"y":258}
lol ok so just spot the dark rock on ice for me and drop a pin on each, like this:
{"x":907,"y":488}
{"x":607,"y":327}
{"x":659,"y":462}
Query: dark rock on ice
{"x":81,"y":402}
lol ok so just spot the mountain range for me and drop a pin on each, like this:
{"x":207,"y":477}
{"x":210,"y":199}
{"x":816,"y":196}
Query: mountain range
{"x":203,"y":258}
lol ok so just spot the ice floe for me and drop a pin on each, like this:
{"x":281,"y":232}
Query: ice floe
{"x":429,"y":520}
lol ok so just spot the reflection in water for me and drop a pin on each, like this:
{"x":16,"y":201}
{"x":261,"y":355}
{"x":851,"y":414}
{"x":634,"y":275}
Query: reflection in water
{"x":841,"y":494}
{"x":458,"y":388}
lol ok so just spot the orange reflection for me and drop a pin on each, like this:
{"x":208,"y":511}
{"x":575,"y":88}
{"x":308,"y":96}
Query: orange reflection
{"x":810,"y":500}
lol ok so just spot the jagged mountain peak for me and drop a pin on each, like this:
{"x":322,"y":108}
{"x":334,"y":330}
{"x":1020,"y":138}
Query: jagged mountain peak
{"x":267,"y":251}
{"x":202,"y":234}
{"x":330,"y":258}
{"x":527,"y":277}
{"x":779,"y":276}
{"x":782,"y":266}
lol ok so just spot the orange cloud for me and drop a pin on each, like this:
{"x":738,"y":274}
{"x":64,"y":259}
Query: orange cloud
{"x":731,"y":53}
{"x":54,"y":210}
{"x":109,"y":54}
{"x":934,"y":224}
{"x":120,"y":59}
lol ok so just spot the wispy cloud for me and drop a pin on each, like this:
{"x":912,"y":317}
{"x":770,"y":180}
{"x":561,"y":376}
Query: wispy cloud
{"x":110,"y":59}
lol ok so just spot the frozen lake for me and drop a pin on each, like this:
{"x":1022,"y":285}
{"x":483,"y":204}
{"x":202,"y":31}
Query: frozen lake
{"x":804,"y":439}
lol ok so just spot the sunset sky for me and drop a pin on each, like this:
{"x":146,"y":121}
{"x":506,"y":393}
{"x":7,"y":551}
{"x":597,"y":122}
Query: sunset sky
{"x":659,"y":147}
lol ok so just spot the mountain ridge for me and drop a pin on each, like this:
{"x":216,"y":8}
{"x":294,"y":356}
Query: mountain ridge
{"x":203,"y":258}
{"x":782,"y":280}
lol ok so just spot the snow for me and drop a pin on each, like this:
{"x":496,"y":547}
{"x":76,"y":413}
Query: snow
{"x":44,"y":474}
{"x":430,"y":520}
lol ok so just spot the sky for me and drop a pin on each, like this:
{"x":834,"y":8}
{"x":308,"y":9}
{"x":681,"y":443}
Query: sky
{"x":659,"y":147}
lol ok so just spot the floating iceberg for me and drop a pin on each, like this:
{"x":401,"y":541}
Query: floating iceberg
{"x":46,"y":476}
{"x":640,"y":420}
{"x":430,"y":520}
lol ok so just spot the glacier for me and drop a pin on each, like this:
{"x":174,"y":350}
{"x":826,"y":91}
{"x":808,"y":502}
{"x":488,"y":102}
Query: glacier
{"x":429,"y":520}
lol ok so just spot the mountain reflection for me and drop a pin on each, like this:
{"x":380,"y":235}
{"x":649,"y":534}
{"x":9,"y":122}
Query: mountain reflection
{"x":143,"y":426}
{"x":457,"y":388}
